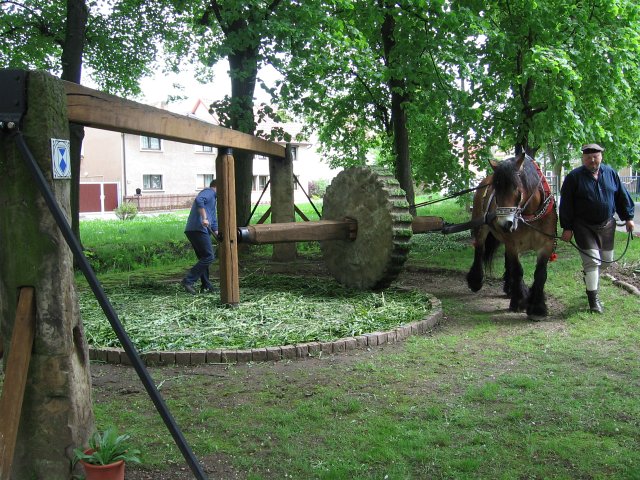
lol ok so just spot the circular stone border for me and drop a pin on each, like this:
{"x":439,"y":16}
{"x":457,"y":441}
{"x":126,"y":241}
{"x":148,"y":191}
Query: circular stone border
{"x":118,"y":356}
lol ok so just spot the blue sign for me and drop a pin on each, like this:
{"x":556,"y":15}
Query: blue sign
{"x":60,"y":158}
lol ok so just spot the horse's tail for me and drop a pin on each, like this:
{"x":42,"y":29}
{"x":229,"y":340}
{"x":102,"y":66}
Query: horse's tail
{"x":491,"y":245}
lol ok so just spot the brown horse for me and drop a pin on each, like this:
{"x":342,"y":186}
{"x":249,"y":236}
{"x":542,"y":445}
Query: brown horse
{"x":520,"y":211}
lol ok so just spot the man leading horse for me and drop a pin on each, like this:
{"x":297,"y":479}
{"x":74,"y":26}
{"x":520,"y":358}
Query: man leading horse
{"x":589,"y":197}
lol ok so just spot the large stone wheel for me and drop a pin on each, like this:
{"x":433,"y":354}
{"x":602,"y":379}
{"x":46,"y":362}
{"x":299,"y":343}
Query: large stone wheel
{"x":372,"y":197}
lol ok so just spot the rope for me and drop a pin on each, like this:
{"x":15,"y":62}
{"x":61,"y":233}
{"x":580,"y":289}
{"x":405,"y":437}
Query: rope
{"x":556,"y":237}
{"x":453,"y":195}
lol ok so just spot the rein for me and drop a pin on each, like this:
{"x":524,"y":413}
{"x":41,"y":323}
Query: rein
{"x":574,"y":245}
{"x":453,"y":195}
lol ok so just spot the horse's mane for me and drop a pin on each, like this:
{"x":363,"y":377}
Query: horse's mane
{"x":506,"y":175}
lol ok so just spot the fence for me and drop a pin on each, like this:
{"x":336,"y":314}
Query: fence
{"x":632,"y":184}
{"x":152,"y":203}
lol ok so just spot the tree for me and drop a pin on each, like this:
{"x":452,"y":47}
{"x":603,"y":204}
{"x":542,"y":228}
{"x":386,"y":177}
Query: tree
{"x":246,"y":33}
{"x":116,"y":40}
{"x":557,"y":74}
{"x":381,"y":76}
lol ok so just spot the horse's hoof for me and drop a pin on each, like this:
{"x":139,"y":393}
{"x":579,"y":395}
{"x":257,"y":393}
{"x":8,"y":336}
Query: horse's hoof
{"x":537,"y":312}
{"x":535,"y":318}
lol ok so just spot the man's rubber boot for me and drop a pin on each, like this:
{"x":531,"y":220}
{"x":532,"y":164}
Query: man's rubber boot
{"x":594,"y":302}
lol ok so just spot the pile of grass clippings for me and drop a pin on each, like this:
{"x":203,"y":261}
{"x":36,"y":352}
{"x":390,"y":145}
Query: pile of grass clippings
{"x":274,"y":310}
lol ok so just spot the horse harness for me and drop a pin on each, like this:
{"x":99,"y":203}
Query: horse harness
{"x":545,"y":208}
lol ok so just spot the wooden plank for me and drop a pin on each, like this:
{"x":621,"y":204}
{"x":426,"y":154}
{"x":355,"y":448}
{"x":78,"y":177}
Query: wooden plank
{"x":426,"y":224}
{"x":299,"y":232}
{"x":15,"y":380}
{"x":228,"y":247}
{"x":93,"y":108}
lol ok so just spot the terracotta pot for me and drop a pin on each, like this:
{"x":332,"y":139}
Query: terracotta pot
{"x":113,"y":471}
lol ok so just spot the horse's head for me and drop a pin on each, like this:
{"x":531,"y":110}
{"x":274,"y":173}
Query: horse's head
{"x":511,"y":189}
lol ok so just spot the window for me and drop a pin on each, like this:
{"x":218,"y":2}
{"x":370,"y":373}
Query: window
{"x":260,"y":157}
{"x":152,"y":182}
{"x":150,"y":143}
{"x":294,"y":153}
{"x":204,"y":149}
{"x":259,"y":182}
{"x":203,"y":180}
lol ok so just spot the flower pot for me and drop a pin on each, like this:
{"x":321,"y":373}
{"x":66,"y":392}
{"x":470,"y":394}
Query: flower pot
{"x":113,"y":471}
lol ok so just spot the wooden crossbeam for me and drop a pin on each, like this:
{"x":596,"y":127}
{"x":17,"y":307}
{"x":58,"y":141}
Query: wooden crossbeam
{"x":16,"y":378}
{"x":93,"y":108}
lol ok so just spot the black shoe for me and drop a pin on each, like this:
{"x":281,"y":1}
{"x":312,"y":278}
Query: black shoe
{"x":188,"y":287}
{"x":595,"y":305}
{"x":209,"y":289}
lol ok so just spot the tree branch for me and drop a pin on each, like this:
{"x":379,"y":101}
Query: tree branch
{"x":382,"y":111}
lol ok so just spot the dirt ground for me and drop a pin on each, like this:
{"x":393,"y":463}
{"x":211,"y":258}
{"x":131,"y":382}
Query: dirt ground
{"x":118,"y":380}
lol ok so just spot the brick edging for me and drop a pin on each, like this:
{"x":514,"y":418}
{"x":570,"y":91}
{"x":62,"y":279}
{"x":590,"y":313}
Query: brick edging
{"x":118,"y":356}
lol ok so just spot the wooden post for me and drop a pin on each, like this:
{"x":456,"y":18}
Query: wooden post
{"x":16,"y":378}
{"x":57,"y":411}
{"x":282,"y":205}
{"x":228,"y":251}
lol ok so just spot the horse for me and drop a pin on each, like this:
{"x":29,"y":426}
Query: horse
{"x":519,"y":211}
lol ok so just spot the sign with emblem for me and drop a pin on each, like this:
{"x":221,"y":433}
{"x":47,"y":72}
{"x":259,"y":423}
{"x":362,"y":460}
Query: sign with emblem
{"x":60,"y":158}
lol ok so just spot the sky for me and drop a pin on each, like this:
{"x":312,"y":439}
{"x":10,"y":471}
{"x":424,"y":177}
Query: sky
{"x":157,"y":88}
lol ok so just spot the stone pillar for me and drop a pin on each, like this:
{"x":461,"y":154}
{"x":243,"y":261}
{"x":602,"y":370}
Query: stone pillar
{"x":57,"y":414}
{"x":282,"y":209}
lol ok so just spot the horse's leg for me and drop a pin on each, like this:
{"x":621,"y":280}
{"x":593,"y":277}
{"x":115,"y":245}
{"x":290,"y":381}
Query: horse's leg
{"x":519,"y":291}
{"x":475,"y":276}
{"x":537,"y":306}
{"x":506,"y":278}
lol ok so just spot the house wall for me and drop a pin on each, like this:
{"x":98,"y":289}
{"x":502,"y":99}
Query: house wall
{"x":101,"y":156}
{"x":120,"y":158}
{"x":178,"y":163}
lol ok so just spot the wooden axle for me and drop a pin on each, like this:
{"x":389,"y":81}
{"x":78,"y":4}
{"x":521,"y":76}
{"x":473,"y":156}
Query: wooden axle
{"x":298,"y":232}
{"x":319,"y":231}
{"x":426,"y":224}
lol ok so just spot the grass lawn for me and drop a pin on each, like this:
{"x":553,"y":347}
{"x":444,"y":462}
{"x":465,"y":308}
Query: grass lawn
{"x":483,"y":396}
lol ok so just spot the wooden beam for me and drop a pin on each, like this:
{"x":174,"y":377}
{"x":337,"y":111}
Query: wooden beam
{"x":299,"y":232}
{"x":426,"y":224}
{"x":15,"y":381}
{"x":93,"y":108}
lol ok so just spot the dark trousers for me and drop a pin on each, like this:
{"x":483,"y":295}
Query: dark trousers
{"x":203,"y":249}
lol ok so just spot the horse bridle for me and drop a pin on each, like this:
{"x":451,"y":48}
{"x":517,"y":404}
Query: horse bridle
{"x":516,"y":212}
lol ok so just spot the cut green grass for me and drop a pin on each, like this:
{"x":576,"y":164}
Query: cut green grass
{"x":275,"y":310}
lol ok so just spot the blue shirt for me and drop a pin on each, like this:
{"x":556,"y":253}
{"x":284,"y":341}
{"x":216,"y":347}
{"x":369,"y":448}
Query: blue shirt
{"x":206,"y":199}
{"x":593,"y":201}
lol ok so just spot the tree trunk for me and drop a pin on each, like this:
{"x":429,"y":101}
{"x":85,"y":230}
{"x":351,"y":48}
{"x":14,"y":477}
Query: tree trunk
{"x":72,"y":52}
{"x":57,"y":412}
{"x":243,"y":72}
{"x":397,"y":86}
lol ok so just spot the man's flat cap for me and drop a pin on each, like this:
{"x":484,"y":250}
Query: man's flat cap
{"x":592,"y":148}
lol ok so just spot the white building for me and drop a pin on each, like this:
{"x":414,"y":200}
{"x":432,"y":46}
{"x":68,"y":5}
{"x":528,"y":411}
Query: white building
{"x":159,"y":174}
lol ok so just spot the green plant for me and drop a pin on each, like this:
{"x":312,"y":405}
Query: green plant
{"x":126,"y":211}
{"x":106,"y":448}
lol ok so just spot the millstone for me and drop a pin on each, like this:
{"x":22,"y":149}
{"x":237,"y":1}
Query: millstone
{"x":372,"y":197}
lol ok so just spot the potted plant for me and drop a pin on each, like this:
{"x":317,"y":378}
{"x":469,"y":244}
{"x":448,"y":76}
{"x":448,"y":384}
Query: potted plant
{"x":106,"y":456}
